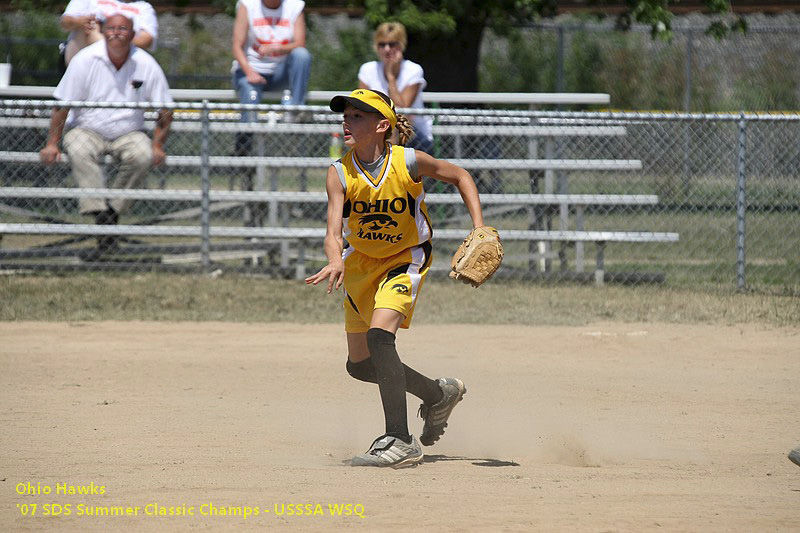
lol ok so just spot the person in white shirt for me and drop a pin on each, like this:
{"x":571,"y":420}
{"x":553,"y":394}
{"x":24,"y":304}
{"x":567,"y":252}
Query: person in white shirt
{"x":111,"y":70}
{"x":401,"y":79}
{"x":269,"y":51}
{"x":80,"y":18}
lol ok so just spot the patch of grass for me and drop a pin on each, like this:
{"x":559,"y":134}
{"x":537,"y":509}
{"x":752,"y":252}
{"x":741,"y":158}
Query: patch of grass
{"x":89,"y":297}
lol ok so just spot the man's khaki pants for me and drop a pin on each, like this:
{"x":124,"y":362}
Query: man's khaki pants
{"x":133,"y":151}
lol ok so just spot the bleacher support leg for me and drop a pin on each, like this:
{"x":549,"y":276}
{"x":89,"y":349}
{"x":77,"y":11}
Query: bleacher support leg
{"x":600,"y":270}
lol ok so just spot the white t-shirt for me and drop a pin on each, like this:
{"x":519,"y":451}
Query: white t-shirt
{"x":91,"y":77}
{"x":268,"y":26}
{"x":142,"y":13}
{"x":371,"y":74}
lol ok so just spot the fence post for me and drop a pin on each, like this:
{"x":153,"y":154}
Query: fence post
{"x":205,"y":215}
{"x":560,"y":62}
{"x":174,"y":48}
{"x":687,"y":89}
{"x":741,"y":204}
{"x":534,"y":211}
{"x":687,"y":107}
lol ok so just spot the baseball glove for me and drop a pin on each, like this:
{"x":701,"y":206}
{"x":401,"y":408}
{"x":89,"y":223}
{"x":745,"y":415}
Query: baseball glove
{"x":478,"y":257}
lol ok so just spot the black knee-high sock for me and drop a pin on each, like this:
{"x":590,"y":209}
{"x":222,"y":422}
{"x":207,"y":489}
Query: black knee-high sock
{"x":391,"y":381}
{"x":424,"y":388}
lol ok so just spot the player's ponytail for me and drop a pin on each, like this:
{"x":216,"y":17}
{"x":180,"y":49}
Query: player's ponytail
{"x":405,"y":132}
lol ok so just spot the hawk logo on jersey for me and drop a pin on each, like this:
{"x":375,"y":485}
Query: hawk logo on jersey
{"x":400,"y":288}
{"x":373,"y":228}
{"x":377,"y":222}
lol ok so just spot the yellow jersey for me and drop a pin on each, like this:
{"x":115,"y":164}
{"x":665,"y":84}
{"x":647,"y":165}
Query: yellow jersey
{"x":384,"y":213}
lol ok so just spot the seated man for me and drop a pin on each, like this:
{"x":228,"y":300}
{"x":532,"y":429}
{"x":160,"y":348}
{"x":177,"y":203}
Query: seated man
{"x":111,"y":70}
{"x":81,"y":19}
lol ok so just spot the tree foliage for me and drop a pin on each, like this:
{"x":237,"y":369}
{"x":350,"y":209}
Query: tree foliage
{"x":51,"y":6}
{"x":445,"y":35}
{"x":445,"y":16}
{"x":456,"y":28}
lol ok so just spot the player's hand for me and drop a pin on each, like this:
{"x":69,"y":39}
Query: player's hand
{"x":50,"y":154}
{"x":159,"y":155}
{"x":254,"y":78}
{"x":334,"y":273}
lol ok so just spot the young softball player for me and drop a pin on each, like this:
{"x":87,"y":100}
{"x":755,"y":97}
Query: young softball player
{"x":376,"y":198}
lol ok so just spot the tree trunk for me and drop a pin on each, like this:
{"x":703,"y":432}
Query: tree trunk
{"x":450,"y":61}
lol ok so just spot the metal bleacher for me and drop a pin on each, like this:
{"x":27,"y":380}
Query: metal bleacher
{"x":293,"y":241}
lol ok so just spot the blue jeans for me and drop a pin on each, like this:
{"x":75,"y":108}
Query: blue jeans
{"x":292,"y":73}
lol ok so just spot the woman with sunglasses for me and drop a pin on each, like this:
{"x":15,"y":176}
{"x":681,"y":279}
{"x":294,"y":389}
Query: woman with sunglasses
{"x":401,"y":79}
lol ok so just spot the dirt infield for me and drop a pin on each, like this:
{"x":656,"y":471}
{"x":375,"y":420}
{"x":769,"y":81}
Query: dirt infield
{"x":610,"y":427}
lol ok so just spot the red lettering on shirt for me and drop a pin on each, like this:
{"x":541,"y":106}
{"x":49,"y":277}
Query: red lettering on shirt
{"x":262,"y":41}
{"x":271,"y":21}
{"x":111,"y":5}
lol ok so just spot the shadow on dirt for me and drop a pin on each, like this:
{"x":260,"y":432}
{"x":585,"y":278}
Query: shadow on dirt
{"x":475,"y":461}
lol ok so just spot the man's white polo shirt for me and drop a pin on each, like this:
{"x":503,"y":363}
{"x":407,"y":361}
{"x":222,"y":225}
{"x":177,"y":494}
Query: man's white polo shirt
{"x":91,"y":77}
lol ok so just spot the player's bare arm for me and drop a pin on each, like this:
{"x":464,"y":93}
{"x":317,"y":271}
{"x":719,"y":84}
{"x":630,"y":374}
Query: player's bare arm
{"x":455,"y":175}
{"x":333,"y":272}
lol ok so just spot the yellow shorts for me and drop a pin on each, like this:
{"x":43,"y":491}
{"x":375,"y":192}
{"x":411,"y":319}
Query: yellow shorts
{"x":390,"y":282}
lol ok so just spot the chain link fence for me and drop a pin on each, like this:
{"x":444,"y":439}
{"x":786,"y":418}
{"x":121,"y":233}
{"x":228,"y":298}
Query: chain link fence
{"x":683,"y":199}
{"x":754,"y":71}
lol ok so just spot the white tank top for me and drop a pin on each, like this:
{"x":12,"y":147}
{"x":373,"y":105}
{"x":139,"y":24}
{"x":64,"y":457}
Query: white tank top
{"x":268,"y":26}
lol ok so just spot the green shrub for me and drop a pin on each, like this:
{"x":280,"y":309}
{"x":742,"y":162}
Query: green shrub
{"x":583,"y":64}
{"x":335,"y":65}
{"x":526,"y":64}
{"x":26,"y":59}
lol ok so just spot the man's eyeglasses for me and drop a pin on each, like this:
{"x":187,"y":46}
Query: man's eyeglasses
{"x":117,"y":29}
{"x":393,"y":44}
